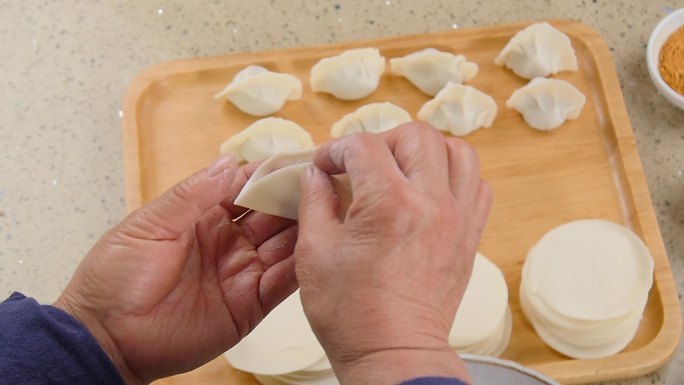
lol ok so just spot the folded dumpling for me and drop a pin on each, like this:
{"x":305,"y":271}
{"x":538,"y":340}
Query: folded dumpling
{"x":545,"y":104}
{"x":351,"y":75}
{"x":459,"y":110}
{"x":374,"y":117}
{"x":260,"y":92}
{"x":273,"y":188}
{"x":538,"y":51}
{"x":430,"y":70}
{"x":267,"y":137}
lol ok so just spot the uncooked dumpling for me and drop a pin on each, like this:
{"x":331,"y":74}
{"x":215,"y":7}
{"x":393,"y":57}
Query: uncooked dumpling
{"x":351,"y":75}
{"x":538,"y":51}
{"x":375,"y":117}
{"x":430,"y":70}
{"x":267,"y":137}
{"x":282,"y":343}
{"x":273,"y":188}
{"x":260,"y":92}
{"x":459,"y":109}
{"x":546,"y":103}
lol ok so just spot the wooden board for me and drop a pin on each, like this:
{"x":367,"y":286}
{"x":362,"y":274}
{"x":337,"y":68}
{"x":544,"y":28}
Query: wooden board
{"x":588,"y":168}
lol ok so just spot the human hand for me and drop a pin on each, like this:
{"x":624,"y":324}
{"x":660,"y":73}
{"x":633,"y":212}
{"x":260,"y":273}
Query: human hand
{"x":381,"y":286}
{"x":179,"y":281}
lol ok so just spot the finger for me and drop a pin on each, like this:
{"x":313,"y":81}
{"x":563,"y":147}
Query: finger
{"x":278,"y":247}
{"x":179,"y":208}
{"x":420,"y":152}
{"x":257,"y":227}
{"x":464,"y":170}
{"x":482,"y":207}
{"x":279,"y":279}
{"x":276,"y":284}
{"x":319,"y":205}
{"x":365,"y":157}
{"x":242,"y":176}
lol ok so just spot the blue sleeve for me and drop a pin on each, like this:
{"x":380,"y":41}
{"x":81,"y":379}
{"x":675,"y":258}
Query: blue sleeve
{"x":434,"y":381}
{"x":44,"y":345}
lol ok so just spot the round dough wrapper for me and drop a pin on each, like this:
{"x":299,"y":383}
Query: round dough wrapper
{"x":590,"y":269}
{"x":282,"y":343}
{"x":483,"y":306}
{"x":575,"y":351}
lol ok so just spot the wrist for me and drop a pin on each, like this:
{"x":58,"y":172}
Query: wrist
{"x":394,"y":366}
{"x":101,"y":335}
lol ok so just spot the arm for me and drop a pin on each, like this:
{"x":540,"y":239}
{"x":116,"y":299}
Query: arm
{"x":42,"y":344}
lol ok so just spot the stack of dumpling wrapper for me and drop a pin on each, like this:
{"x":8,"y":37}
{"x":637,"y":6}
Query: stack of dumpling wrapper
{"x":283,"y":349}
{"x":584,"y":287}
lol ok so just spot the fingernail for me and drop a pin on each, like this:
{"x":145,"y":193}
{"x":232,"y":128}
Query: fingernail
{"x":220,"y":164}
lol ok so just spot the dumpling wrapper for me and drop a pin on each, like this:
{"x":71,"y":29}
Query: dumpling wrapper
{"x":374,"y":117}
{"x":495,"y":344}
{"x":593,"y":274}
{"x":351,"y":75}
{"x":546,"y":104}
{"x":265,"y":138}
{"x":282,"y":343}
{"x":273,"y":188}
{"x":260,"y":92}
{"x":459,"y":109}
{"x":483,"y":307}
{"x":571,"y":344}
{"x":430,"y":69}
{"x":590,"y":269}
{"x":539,"y":50}
{"x":583,"y":335}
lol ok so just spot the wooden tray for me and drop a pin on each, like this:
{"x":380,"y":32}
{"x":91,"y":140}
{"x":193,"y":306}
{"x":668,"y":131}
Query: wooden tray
{"x":588,"y":168}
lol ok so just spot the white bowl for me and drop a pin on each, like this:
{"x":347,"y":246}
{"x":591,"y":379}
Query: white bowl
{"x":495,"y":371}
{"x":662,"y":31}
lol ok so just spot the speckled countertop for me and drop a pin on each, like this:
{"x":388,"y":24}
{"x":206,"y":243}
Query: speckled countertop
{"x":64,"y":66}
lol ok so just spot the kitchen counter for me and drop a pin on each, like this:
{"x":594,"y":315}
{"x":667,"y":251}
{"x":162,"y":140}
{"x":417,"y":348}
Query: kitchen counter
{"x":66,"y":64}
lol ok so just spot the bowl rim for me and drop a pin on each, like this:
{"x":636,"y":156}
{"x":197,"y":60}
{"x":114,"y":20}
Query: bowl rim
{"x":508,"y":364}
{"x":652,"y":59}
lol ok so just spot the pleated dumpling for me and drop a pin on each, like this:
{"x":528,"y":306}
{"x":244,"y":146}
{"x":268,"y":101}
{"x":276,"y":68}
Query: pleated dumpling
{"x":260,"y":92}
{"x":430,"y":70}
{"x":374,"y":117}
{"x":459,"y":110}
{"x":545,"y":104}
{"x":351,"y":75}
{"x":538,"y":51}
{"x":265,"y":138}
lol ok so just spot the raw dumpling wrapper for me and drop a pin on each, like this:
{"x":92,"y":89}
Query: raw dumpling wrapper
{"x":482,"y":322}
{"x":351,"y":75}
{"x":546,"y":103}
{"x":430,"y":70}
{"x":265,"y":138}
{"x":282,"y":343}
{"x":260,"y":92}
{"x":459,"y":110}
{"x":273,"y":188}
{"x":538,"y":51}
{"x":374,"y":117}
{"x":584,"y":287}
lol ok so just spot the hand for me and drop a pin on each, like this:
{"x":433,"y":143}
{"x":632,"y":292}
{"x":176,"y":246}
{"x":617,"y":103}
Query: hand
{"x":179,"y":281}
{"x":381,"y":286}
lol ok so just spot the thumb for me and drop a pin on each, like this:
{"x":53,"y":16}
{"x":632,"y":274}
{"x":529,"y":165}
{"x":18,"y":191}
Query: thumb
{"x":319,"y":203}
{"x":180,"y":207}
